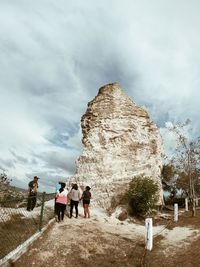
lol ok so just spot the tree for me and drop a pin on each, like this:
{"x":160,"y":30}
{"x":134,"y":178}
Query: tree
{"x":168,"y":177}
{"x":170,"y":185}
{"x":142,"y":194}
{"x":185,"y":162}
{"x":4,"y":180}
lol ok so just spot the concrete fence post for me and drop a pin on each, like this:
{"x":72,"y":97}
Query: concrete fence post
{"x":186,"y":204}
{"x":175,"y":212}
{"x":149,"y":234}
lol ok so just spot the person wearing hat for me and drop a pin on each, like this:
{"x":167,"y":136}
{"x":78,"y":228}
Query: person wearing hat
{"x":32,"y":193}
{"x":86,"y":196}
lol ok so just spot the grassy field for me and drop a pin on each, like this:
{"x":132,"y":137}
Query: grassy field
{"x":18,"y":227}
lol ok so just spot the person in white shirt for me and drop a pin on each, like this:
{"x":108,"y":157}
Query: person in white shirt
{"x":75,"y":197}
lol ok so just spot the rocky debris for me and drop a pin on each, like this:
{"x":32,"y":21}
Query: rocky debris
{"x":120,"y":141}
{"x":123,"y":215}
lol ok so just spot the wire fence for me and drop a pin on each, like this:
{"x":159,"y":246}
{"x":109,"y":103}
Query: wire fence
{"x":17,"y":224}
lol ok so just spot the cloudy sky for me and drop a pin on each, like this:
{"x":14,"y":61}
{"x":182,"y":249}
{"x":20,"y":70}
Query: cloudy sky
{"x":54,"y":55}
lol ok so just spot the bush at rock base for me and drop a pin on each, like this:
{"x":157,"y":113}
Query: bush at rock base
{"x":142,"y":195}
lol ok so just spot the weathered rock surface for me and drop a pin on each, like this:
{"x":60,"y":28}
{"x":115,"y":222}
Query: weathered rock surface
{"x":119,"y":142}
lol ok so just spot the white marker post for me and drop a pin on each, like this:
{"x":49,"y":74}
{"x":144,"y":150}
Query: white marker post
{"x":176,"y":212}
{"x":149,"y":234}
{"x":186,"y":204}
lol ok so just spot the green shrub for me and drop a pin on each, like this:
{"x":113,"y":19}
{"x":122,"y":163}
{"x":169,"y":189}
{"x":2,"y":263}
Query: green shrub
{"x":142,"y":195}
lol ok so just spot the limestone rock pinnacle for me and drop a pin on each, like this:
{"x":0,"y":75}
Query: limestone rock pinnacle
{"x":120,"y":141}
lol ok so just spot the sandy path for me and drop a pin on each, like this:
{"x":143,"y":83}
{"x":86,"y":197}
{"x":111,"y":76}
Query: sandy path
{"x":102,"y":241}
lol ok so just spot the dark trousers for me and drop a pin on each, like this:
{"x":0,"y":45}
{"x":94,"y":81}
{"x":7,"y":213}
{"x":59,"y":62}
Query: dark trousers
{"x":72,"y":205}
{"x":60,"y":210}
{"x":31,"y":202}
{"x":55,"y":207}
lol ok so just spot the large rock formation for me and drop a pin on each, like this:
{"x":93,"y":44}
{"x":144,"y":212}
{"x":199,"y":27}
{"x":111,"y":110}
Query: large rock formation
{"x":119,"y":142}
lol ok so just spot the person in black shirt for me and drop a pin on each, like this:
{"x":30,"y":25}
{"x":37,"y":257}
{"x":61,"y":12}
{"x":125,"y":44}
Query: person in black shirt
{"x":32,"y":193}
{"x":86,"y":196}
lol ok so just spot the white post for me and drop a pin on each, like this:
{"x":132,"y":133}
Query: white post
{"x":197,"y":202}
{"x":149,"y":234}
{"x":176,"y":212}
{"x":186,"y":204}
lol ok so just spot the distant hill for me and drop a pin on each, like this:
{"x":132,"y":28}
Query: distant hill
{"x":9,"y":193}
{"x":17,"y":189}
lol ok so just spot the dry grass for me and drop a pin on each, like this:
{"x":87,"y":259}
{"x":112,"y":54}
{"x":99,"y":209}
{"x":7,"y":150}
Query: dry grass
{"x":18,"y":229}
{"x":14,"y":232}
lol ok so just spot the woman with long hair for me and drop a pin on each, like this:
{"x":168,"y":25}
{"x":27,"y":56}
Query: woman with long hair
{"x":61,"y":202}
{"x":75,"y":197}
{"x":86,"y":196}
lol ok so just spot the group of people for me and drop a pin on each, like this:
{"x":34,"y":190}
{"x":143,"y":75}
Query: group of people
{"x":73,"y":197}
{"x":63,"y":198}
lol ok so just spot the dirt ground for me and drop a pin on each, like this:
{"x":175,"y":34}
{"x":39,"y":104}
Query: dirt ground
{"x":103,"y":241}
